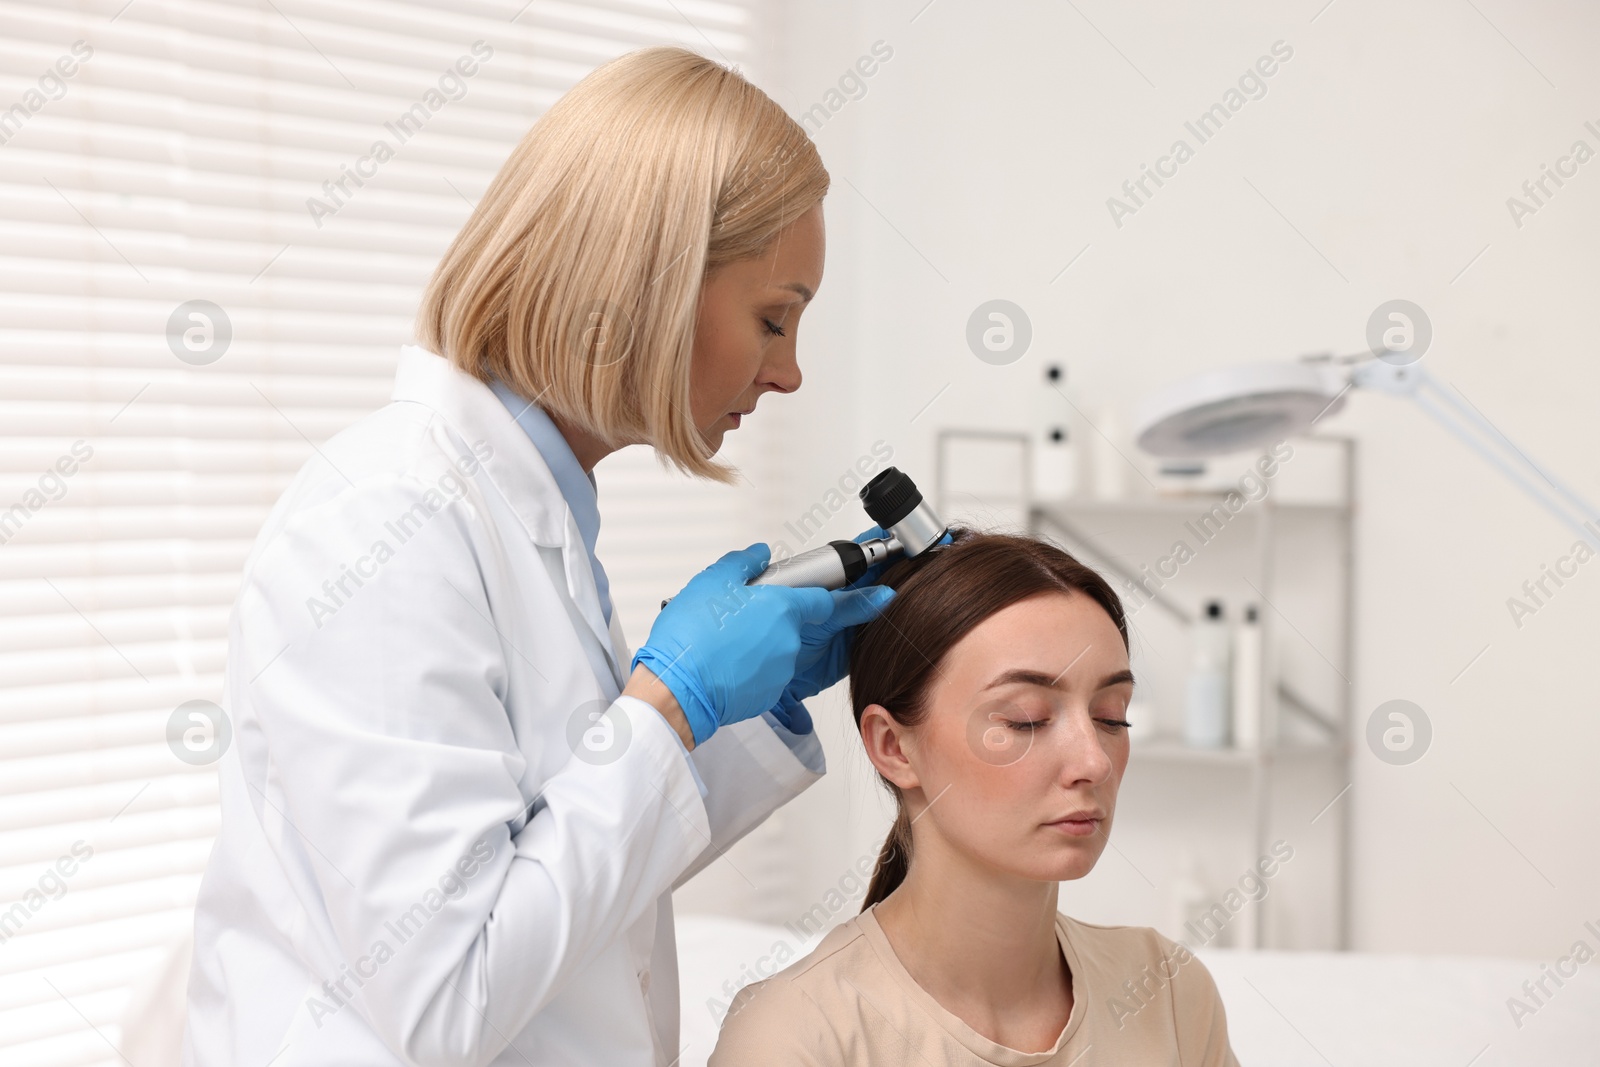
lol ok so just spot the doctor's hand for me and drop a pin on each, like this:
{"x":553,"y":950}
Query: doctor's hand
{"x":824,"y":655}
{"x":727,"y":651}
{"x":825,"y":647}
{"x":792,"y":713}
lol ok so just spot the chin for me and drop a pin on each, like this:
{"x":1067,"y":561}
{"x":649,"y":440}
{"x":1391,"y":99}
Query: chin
{"x":1058,"y":864}
{"x":1079,"y":867}
{"x":1069,"y":861}
{"x":1064,"y":866}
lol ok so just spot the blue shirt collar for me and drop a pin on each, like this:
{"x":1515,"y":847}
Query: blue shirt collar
{"x":577,"y":485}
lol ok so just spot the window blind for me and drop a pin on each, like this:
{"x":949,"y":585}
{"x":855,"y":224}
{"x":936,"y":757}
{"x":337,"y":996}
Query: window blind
{"x":194,"y":295}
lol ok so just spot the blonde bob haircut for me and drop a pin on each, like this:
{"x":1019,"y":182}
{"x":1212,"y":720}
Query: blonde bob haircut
{"x":577,"y":280}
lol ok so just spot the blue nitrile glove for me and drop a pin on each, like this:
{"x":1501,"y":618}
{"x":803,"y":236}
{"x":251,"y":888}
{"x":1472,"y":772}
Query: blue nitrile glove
{"x":825,"y":647}
{"x":727,"y":650}
{"x":791,"y":711}
{"x":823,"y":661}
{"x":825,"y":652}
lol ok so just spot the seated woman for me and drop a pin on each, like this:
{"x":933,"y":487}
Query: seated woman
{"x":990,"y":696}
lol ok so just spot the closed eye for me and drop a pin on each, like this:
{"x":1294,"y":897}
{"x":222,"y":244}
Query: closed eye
{"x":773,"y":328}
{"x":1034,"y":725}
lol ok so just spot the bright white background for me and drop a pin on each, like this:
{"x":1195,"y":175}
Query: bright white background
{"x":975,"y":165}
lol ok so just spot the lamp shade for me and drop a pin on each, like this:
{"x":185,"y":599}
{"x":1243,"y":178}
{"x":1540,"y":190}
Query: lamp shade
{"x":1237,"y":408}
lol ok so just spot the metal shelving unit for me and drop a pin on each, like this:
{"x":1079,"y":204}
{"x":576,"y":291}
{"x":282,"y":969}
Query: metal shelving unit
{"x":1059,"y":519}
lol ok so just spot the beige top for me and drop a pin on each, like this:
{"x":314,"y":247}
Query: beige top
{"x":1137,"y":999}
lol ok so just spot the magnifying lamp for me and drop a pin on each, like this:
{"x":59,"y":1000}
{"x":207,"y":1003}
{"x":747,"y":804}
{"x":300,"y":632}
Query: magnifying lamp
{"x":1258,"y":404}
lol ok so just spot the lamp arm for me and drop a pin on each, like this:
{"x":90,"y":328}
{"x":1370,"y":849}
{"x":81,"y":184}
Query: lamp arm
{"x":1468,"y":425}
{"x":1583,"y":507}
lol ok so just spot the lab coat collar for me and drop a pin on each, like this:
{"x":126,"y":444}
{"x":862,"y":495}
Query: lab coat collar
{"x":578,"y":487}
{"x":516,"y":468}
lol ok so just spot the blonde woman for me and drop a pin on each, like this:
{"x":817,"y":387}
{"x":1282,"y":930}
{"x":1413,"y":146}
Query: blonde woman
{"x":991,"y":698}
{"x":455,"y":806}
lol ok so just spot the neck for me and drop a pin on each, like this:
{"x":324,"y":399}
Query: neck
{"x":588,"y":448}
{"x":974,"y":938}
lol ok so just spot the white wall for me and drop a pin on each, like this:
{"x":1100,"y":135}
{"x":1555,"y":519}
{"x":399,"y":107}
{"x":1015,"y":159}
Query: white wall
{"x":978,"y":164}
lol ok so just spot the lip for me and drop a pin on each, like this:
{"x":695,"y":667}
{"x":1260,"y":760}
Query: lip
{"x":738,"y":416}
{"x":1079,"y":823}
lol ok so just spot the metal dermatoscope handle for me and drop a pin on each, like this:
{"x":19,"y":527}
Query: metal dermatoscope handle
{"x":891,"y":500}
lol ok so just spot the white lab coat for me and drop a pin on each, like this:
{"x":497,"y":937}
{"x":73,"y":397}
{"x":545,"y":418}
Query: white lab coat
{"x":416,"y":645}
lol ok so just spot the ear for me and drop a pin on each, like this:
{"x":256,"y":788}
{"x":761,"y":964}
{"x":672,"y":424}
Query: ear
{"x":889,"y":746}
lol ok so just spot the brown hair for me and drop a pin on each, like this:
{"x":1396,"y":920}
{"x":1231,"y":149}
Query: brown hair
{"x":941,"y":596}
{"x":577,"y":279}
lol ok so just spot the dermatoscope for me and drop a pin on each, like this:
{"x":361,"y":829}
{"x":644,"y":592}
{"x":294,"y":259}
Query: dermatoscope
{"x":891,"y":500}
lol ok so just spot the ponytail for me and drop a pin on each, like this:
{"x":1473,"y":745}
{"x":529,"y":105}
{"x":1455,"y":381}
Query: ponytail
{"x":894,"y":860}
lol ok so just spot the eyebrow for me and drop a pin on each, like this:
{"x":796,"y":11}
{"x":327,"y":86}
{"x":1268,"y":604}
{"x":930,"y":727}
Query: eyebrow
{"x":798,"y":288}
{"x":1030,"y":677}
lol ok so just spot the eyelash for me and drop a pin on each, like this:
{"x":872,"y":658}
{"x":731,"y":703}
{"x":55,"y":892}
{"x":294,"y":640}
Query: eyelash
{"x":773,"y":328}
{"x":1030,"y":726}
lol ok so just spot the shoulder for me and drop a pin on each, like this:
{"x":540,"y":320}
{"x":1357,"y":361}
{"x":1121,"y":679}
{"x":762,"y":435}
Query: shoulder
{"x":1124,"y":944}
{"x":396,"y":495}
{"x":401,"y":442}
{"x":1138,"y":967}
{"x":841,"y":948}
{"x":1155,"y":961}
{"x":782,"y":1020}
{"x":401,"y":463}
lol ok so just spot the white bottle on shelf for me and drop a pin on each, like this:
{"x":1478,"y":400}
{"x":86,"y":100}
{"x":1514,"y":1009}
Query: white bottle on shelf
{"x":1247,"y":680}
{"x":1206,"y":709}
{"x":1055,"y":453}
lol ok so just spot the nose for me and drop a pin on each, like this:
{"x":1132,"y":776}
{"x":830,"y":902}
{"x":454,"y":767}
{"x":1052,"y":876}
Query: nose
{"x":1084,"y":759}
{"x":780,"y":372}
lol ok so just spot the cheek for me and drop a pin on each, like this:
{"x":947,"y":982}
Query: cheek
{"x":993,"y":779}
{"x":991,"y":813}
{"x":995,"y":796}
{"x":725,"y":362}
